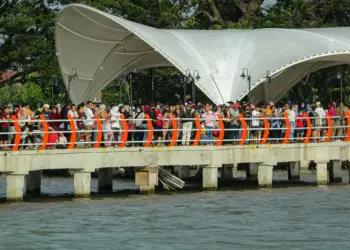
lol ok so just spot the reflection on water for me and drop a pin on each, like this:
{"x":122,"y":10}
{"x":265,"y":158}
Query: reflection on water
{"x":279,"y":218}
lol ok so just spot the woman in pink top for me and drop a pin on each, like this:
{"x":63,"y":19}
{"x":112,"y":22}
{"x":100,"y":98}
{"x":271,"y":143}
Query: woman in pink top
{"x":209,"y":122}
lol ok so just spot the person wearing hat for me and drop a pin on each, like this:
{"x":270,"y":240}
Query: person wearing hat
{"x":321,"y":121}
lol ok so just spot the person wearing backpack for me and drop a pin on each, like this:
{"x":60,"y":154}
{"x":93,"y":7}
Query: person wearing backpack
{"x":187,"y":124}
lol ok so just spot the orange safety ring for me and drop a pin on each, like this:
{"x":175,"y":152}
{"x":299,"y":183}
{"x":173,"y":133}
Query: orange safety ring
{"x":222,"y":130}
{"x":73,"y":135}
{"x":18,"y":133}
{"x":175,"y":131}
{"x":199,"y":131}
{"x":329,"y":129}
{"x":245,"y":129}
{"x":150,"y":131}
{"x":267,"y":131}
{"x":99,"y":132}
{"x":309,"y":128}
{"x":347,"y":138}
{"x":125,"y":132}
{"x":288,"y":128}
{"x":46,"y":132}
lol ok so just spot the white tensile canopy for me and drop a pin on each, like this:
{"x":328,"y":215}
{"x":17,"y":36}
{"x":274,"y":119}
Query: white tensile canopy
{"x":96,"y":47}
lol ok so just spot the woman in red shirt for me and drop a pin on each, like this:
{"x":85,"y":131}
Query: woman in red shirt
{"x":4,"y":127}
{"x":53,"y":138}
{"x":55,"y":116}
{"x":300,"y":126}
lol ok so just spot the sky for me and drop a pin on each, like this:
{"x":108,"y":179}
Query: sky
{"x":268,"y":2}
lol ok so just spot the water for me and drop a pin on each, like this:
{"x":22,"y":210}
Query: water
{"x":279,"y":218}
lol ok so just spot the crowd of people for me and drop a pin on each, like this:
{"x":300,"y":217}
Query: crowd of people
{"x":85,"y":115}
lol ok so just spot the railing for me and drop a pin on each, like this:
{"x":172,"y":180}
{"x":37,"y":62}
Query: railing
{"x":315,"y":130}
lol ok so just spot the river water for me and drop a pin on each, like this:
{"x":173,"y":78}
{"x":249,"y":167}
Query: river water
{"x":297,"y":217}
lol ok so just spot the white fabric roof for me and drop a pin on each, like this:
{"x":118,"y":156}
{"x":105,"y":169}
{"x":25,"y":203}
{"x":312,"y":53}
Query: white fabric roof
{"x":100,"y":47}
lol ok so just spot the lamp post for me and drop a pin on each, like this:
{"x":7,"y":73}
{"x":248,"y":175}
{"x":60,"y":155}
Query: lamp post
{"x":268,"y":76}
{"x":53,"y":84}
{"x":72,"y":76}
{"x":245,"y":74}
{"x":194,"y":77}
{"x":340,"y":77}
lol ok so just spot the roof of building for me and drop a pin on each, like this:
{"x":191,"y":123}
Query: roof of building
{"x":99,"y":47}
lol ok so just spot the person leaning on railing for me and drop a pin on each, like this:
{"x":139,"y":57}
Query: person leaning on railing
{"x":4,"y":127}
{"x":340,"y":121}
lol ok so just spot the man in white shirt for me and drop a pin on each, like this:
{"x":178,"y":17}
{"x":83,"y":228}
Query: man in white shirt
{"x":255,"y":123}
{"x":74,"y":114}
{"x":88,"y":123}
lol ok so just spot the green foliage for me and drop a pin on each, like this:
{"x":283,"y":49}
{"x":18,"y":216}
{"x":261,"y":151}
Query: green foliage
{"x":29,"y":92}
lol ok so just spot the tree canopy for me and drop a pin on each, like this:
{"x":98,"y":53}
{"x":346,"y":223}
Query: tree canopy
{"x":27,"y":39}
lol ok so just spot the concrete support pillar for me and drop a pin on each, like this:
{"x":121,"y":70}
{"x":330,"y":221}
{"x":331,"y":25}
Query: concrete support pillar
{"x":252,"y":171}
{"x":226,"y":172}
{"x":265,"y":175}
{"x":294,"y":171}
{"x":105,"y":180}
{"x":335,"y":172}
{"x":147,"y":179}
{"x":322,"y":173}
{"x":33,"y":182}
{"x":183,"y":172}
{"x":82,"y":184}
{"x":304,"y":164}
{"x":15,"y":187}
{"x":210,"y":178}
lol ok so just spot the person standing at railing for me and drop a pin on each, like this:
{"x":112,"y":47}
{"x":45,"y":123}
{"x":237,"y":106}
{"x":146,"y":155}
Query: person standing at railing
{"x":104,"y":115}
{"x":115,"y":120}
{"x":55,"y":116}
{"x":226,"y":118}
{"x":4,"y":127}
{"x":74,"y":114}
{"x":291,"y":113}
{"x":139,"y":119}
{"x":88,"y":123}
{"x":340,"y":121}
{"x":314,"y":116}
{"x":333,"y":113}
{"x":209,"y":122}
{"x":255,"y":121}
{"x":234,"y":115}
{"x":321,"y":120}
{"x":187,"y":123}
{"x":300,"y":124}
{"x":275,"y":133}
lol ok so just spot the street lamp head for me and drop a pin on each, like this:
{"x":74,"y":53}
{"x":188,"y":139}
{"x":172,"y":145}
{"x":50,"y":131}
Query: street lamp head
{"x":339,"y":75}
{"x":198,"y":77}
{"x":243,"y":76}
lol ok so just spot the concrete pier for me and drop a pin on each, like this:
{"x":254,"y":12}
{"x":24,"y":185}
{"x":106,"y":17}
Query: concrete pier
{"x":210,"y":178}
{"x":82,"y":184}
{"x":147,"y":179}
{"x":105,"y":180}
{"x":335,"y":172}
{"x":33,"y":182}
{"x":15,"y":187}
{"x":294,"y":171}
{"x":183,"y":172}
{"x":265,"y":175}
{"x":226,"y":173}
{"x":252,"y":171}
{"x":322,"y":172}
